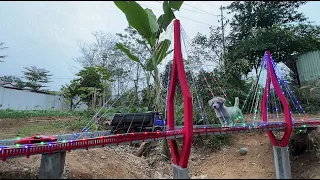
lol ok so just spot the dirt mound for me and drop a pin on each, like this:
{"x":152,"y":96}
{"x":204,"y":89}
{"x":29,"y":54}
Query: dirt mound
{"x":105,"y":163}
{"x":257,"y":163}
{"x":229,"y":164}
{"x":20,"y":168}
{"x":95,"y":163}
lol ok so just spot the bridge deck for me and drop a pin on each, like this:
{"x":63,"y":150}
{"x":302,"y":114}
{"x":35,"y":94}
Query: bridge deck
{"x":114,"y":140}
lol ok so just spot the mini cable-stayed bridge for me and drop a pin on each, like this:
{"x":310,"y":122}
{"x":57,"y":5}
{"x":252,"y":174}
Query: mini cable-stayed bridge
{"x":262,"y":100}
{"x":102,"y":139}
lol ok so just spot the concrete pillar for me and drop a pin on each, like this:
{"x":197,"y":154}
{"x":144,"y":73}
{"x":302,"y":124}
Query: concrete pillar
{"x":282,"y":162}
{"x":52,"y":166}
{"x":179,"y":172}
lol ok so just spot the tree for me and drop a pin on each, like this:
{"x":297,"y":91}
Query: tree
{"x":249,"y":15}
{"x":98,"y":53}
{"x":90,"y":81}
{"x":103,"y":53}
{"x":284,"y":42}
{"x":16,"y":81}
{"x":166,"y":75}
{"x":70,"y":91}
{"x":120,"y":68}
{"x":36,"y":77}
{"x":258,"y":26}
{"x":132,"y":39}
{"x":209,"y":49}
{"x":1,"y":48}
{"x":149,"y":27}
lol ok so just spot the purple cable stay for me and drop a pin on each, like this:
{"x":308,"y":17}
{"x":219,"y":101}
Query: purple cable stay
{"x":293,"y":98}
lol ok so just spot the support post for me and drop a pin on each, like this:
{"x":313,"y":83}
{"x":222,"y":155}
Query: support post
{"x":52,"y":166}
{"x":282,"y":162}
{"x":179,"y":172}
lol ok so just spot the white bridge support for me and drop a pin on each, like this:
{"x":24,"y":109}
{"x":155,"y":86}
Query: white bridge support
{"x":179,"y":172}
{"x":52,"y":166}
{"x":282,"y":162}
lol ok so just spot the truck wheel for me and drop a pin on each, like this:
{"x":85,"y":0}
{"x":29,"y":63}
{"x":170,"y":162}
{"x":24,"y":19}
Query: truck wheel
{"x":157,"y":129}
{"x":132,"y":131}
{"x":119,"y":131}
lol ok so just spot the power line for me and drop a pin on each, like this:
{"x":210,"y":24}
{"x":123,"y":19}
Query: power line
{"x":200,"y":9}
{"x":194,"y":11}
{"x":197,"y":21}
{"x":49,"y":77}
{"x":179,"y":16}
{"x":209,"y":4}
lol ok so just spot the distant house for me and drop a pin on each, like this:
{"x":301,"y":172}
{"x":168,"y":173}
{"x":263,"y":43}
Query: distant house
{"x":6,"y":85}
{"x":15,"y":98}
{"x":308,"y":67}
{"x":11,"y":86}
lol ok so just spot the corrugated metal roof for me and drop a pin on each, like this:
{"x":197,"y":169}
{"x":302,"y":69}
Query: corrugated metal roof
{"x":6,"y":84}
{"x":308,"y":66}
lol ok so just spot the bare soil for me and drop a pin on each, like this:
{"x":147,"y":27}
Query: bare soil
{"x":14,"y":123}
{"x":118,"y":162}
{"x":9,"y":128}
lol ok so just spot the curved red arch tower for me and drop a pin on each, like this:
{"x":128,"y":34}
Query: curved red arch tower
{"x":272,"y":78}
{"x":280,"y":149}
{"x":178,"y":73}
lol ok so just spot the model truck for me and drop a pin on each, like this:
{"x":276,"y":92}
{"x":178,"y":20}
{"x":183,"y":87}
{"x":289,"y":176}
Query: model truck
{"x":136,"y":122}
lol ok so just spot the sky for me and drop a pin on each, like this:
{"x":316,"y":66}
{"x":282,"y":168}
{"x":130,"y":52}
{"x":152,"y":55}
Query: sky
{"x":46,"y":34}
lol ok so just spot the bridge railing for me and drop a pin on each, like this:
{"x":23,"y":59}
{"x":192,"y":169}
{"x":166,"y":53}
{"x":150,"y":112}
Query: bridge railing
{"x":198,"y":130}
{"x":84,"y":143}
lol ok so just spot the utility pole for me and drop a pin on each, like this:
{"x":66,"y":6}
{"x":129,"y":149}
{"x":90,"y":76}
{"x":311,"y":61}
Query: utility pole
{"x":222,"y":26}
{"x":222,"y":63}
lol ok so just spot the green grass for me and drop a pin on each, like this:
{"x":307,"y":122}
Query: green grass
{"x":44,"y":128}
{"x":8,"y":113}
{"x":78,"y":124}
{"x":48,"y":127}
{"x":54,"y":127}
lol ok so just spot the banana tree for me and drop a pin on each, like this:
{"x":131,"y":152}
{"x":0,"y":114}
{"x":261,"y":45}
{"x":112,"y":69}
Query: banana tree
{"x":150,"y":28}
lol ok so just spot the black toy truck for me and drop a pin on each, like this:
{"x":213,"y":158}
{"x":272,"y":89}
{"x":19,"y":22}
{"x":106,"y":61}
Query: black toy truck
{"x":136,"y":122}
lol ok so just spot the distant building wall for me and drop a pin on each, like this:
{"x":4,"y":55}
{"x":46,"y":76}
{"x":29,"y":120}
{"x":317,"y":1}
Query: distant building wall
{"x":25,"y":100}
{"x":308,"y":67}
